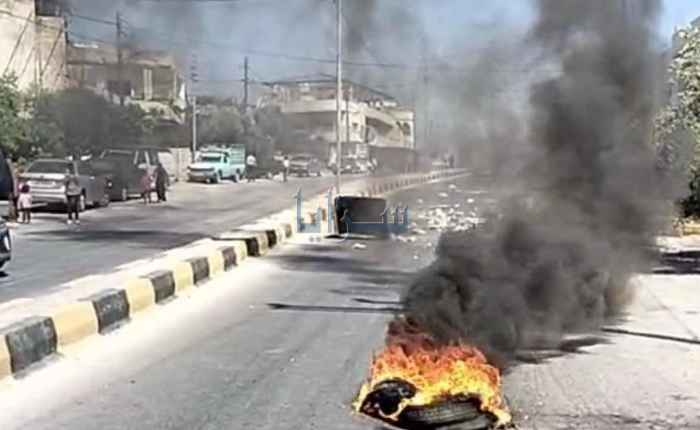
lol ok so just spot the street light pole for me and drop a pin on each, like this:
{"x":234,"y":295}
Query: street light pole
{"x":338,"y":95}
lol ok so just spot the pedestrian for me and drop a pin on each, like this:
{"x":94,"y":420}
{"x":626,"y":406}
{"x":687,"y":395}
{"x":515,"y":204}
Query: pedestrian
{"x":14,"y":209}
{"x":161,"y":182}
{"x":24,"y":204}
{"x":285,"y":170}
{"x":145,"y":188}
{"x":251,"y":166}
{"x":73,"y":197}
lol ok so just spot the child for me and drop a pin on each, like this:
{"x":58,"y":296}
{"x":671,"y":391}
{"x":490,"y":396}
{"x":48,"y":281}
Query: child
{"x":145,"y":185}
{"x":24,"y":204}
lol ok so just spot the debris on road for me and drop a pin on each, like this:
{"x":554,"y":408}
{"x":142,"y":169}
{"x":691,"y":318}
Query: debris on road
{"x":443,"y":195}
{"x":359,"y":246}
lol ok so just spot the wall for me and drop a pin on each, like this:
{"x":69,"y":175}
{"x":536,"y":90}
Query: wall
{"x":33,"y":49}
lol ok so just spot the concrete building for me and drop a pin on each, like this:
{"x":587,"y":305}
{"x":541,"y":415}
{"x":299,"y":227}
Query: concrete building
{"x":373,"y":125}
{"x":33,"y":42}
{"x":149,"y":79}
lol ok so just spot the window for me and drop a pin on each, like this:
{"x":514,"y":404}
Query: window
{"x":50,"y":167}
{"x":141,"y":158}
{"x":210,"y":158}
{"x":47,"y":8}
{"x":113,"y":87}
{"x":86,"y":170}
{"x":122,"y":154}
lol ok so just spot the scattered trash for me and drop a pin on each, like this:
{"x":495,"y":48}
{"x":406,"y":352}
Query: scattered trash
{"x":430,"y":244}
{"x":419,"y":231}
{"x":411,"y":239}
{"x":401,"y":238}
{"x":457,"y":205}
{"x":443,"y":195}
{"x":415,"y":257}
{"x":470,"y":201}
{"x":359,"y":246}
{"x":452,"y":187}
{"x":420,"y":201}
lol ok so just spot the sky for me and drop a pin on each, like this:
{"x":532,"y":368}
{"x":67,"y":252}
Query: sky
{"x":448,"y":29}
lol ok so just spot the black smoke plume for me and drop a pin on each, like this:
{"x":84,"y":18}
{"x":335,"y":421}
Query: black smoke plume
{"x":559,"y":259}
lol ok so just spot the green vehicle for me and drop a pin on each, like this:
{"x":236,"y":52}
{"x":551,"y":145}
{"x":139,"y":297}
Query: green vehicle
{"x":213,"y":164}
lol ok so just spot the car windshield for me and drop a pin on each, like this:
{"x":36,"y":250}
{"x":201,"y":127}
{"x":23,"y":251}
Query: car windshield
{"x":50,"y":167}
{"x":118,"y":153}
{"x":104,"y":166}
{"x":210,"y":158}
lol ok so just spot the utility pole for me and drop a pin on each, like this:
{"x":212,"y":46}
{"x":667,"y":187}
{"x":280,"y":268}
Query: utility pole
{"x":347,"y":115}
{"x":246,"y":84}
{"x":194,"y":78}
{"x":120,"y":60}
{"x":338,"y":95}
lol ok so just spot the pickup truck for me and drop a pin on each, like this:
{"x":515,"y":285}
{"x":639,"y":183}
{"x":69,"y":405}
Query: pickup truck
{"x":214,"y":165}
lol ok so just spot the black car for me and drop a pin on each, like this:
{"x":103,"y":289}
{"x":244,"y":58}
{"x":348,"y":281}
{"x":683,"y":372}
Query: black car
{"x":5,"y":244}
{"x":6,"y":187}
{"x":122,"y":177}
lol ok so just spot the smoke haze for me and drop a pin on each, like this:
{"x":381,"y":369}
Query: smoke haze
{"x":582,"y":161}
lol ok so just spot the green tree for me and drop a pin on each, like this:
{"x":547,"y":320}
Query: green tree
{"x":12,"y":124}
{"x":78,"y":121}
{"x":682,"y":115}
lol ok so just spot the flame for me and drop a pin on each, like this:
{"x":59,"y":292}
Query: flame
{"x":437,"y":372}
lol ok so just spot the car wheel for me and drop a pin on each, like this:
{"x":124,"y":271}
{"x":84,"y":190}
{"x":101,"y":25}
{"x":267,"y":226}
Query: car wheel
{"x":105,"y":201}
{"x":124,"y":195}
{"x":318,"y":174}
{"x":217,"y":177}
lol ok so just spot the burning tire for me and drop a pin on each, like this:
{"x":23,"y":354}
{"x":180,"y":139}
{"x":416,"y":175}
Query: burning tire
{"x":383,"y":403}
{"x":444,"y":413}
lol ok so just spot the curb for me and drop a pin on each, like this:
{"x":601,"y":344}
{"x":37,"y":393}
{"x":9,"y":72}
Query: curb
{"x":36,"y":338}
{"x":31,"y":340}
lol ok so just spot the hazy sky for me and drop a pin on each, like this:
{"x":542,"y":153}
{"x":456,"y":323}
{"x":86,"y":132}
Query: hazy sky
{"x":305,"y":28}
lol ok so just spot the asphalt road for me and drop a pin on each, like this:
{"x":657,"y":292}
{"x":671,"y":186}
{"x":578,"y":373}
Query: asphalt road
{"x":49,"y":252}
{"x":284,"y":343}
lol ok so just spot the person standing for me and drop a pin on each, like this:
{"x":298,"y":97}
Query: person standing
{"x":24,"y":204}
{"x":73,"y":196}
{"x":285,"y":170}
{"x":161,"y":182}
{"x":145,"y":188}
{"x":251,"y":165}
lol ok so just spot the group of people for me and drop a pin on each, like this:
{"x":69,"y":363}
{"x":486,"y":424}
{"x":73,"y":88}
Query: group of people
{"x":160,"y":178}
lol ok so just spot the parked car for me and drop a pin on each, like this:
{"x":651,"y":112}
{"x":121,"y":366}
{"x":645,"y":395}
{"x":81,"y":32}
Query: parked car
{"x":213,"y":165}
{"x":145,"y":158}
{"x":5,"y":244}
{"x":268,"y":169}
{"x":122,"y":178}
{"x":351,"y":166}
{"x":46,"y":178}
{"x":304,"y":165}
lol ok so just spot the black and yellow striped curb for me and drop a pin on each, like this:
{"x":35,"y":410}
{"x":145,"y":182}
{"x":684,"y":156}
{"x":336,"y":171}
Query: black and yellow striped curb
{"x":31,"y":340}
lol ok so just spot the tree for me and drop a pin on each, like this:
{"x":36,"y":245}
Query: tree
{"x":77,"y":121}
{"x":682,"y":115}
{"x":12,"y":125}
{"x":684,"y":110}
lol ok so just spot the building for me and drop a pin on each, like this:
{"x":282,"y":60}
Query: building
{"x":33,"y":43}
{"x":149,"y":79}
{"x":373,"y":124}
